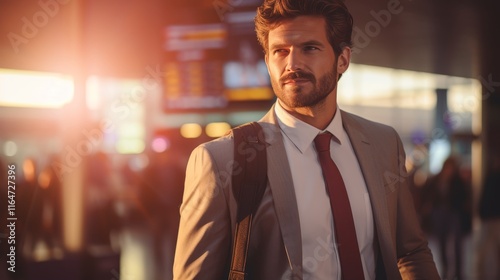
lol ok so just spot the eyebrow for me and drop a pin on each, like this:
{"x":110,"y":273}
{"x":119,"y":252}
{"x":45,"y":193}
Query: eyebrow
{"x":313,"y":43}
{"x":306,"y":43}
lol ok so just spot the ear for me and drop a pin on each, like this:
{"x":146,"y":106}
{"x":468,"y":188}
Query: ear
{"x":266,"y":59}
{"x":343,"y":60}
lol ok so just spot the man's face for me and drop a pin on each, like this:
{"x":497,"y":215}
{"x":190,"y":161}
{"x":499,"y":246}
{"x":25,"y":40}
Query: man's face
{"x":302,"y":63}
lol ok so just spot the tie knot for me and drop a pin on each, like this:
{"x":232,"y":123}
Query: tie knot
{"x":322,"y":141}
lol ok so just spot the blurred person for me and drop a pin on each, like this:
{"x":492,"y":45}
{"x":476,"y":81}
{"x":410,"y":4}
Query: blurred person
{"x":52,"y":232}
{"x":488,"y":250}
{"x":128,"y":199}
{"x":446,"y":206}
{"x":102,"y":221}
{"x":48,"y":211}
{"x":161,"y":196}
{"x":26,"y":209}
{"x":294,"y":230}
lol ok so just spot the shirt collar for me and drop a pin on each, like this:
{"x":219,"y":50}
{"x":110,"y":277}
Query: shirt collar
{"x":302,"y":134}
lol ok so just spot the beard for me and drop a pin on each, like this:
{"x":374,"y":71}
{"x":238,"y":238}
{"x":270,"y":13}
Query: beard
{"x":294,"y":96}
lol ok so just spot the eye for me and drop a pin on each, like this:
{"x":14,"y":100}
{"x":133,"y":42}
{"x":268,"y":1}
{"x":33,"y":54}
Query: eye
{"x":280,"y":52}
{"x":310,"y":48}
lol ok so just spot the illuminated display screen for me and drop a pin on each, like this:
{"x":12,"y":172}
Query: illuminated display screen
{"x":214,"y":65}
{"x":193,"y":78}
{"x":245,"y":72}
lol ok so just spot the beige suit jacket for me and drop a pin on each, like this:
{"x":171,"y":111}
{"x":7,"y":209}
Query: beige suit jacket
{"x":208,"y":211}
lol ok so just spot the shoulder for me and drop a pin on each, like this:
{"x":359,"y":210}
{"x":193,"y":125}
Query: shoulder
{"x":365,"y":124}
{"x":383,"y":140}
{"x":219,"y":143}
{"x":218,"y":151}
{"x":372,"y":131}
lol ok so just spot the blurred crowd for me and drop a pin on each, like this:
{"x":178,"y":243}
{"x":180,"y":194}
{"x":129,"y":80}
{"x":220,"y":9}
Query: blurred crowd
{"x":118,"y":196}
{"x":446,"y":208}
{"x":126,"y":194}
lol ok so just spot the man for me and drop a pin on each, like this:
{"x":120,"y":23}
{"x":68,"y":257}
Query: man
{"x":295,"y":233}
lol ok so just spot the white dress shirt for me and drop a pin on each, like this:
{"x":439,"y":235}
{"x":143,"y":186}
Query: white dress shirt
{"x":320,"y":257}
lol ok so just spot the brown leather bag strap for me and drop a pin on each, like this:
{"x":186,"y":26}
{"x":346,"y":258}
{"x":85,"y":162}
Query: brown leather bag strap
{"x":249,"y":182}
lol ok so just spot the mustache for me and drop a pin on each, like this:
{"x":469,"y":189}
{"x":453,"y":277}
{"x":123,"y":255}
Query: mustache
{"x":298,"y":75}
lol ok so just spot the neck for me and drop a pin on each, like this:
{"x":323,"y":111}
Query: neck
{"x":319,"y":115}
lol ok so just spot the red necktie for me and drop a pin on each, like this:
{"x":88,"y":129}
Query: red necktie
{"x":345,"y":232}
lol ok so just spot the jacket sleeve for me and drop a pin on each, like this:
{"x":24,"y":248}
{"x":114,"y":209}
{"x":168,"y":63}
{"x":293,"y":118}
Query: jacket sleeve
{"x":415,"y":259}
{"x":203,"y":243}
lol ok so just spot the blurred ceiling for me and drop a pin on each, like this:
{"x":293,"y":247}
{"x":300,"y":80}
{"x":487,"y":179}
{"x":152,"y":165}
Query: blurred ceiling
{"x":445,"y":37}
{"x":431,"y":36}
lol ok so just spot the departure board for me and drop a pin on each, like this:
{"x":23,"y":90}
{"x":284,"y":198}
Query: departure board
{"x":214,"y":64}
{"x":194,"y":66}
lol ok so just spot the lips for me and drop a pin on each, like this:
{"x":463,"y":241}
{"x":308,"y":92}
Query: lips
{"x":296,"y":81}
{"x":297,"y":78}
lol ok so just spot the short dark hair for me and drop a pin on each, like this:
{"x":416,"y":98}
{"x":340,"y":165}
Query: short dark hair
{"x":338,"y":19}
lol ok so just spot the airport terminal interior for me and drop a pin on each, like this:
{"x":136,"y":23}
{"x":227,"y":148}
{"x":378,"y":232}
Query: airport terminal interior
{"x":102,"y":102}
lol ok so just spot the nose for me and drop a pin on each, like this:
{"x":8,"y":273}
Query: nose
{"x":294,"y":61}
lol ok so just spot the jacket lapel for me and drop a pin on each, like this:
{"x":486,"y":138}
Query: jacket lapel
{"x":367,"y":157}
{"x":281,"y":184}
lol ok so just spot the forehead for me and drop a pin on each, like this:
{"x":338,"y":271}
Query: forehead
{"x":299,"y":29}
